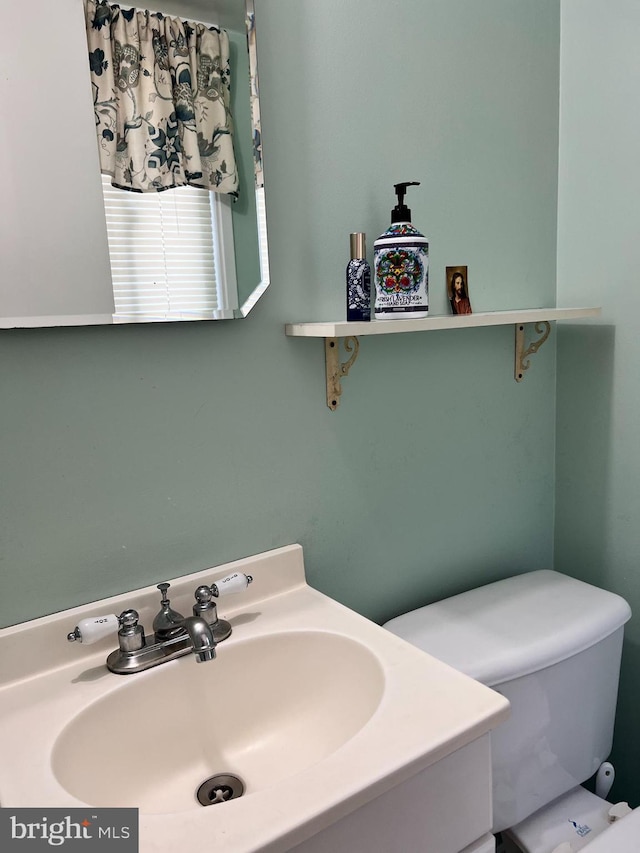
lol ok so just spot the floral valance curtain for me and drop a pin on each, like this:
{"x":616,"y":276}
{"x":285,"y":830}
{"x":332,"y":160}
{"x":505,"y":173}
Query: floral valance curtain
{"x":161,"y":99}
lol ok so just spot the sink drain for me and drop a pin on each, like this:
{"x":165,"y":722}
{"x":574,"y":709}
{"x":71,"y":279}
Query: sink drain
{"x":219,"y":789}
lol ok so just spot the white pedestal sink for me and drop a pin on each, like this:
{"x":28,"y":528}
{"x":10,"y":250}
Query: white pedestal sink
{"x":343,"y":735}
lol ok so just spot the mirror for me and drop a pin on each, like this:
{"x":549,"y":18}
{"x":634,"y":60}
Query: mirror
{"x":53,"y":243}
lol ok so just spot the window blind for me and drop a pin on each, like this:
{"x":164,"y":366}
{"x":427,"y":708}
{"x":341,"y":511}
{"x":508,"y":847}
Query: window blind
{"x":165,"y":254}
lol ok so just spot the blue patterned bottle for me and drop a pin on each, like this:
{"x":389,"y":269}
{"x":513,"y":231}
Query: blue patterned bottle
{"x":401,"y":266}
{"x":358,"y":281}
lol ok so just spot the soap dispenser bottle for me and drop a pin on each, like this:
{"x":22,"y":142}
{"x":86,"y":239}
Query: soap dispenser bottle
{"x":401,"y":265}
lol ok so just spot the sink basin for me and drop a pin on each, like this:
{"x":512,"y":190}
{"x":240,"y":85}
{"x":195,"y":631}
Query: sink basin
{"x":338,"y":729}
{"x":264,"y":710}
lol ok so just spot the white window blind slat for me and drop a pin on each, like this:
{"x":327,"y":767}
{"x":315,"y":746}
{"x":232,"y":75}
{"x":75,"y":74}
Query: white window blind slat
{"x":162,"y":248}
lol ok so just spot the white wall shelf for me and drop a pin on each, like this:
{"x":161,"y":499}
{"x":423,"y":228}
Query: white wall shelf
{"x":333,"y":331}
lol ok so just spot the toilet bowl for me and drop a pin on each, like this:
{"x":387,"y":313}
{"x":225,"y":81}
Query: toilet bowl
{"x":552,"y":645}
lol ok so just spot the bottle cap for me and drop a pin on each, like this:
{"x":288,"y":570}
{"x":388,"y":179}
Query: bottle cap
{"x":358,"y":245}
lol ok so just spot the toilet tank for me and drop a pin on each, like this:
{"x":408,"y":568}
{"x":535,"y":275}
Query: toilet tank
{"x":552,"y":645}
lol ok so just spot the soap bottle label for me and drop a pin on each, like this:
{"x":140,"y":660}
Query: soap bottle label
{"x":358,"y":290}
{"x":401,"y":280}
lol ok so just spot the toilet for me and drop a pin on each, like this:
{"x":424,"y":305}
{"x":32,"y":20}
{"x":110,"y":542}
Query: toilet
{"x":552,"y":645}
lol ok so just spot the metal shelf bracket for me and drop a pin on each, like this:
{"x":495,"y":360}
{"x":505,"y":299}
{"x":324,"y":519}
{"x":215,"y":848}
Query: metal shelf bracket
{"x":522,"y":355}
{"x":335,"y":370}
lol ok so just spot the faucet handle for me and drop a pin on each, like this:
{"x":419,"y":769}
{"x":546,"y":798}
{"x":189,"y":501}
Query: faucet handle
{"x":206,"y":607}
{"x":203,"y":596}
{"x":95,"y":628}
{"x":230,"y":584}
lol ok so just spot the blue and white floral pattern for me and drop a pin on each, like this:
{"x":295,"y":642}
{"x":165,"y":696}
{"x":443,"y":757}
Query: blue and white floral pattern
{"x":161,"y":99}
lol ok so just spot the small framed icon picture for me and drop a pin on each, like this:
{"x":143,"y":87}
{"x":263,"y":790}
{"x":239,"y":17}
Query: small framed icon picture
{"x":458,"y":290}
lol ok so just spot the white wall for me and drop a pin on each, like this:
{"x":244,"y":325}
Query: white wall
{"x":53,"y":241}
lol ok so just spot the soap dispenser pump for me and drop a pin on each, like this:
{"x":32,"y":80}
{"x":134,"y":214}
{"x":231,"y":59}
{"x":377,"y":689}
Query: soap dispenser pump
{"x":401,"y":265}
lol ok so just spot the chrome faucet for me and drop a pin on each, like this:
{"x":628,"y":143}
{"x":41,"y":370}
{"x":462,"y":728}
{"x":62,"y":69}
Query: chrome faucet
{"x":202,"y":641}
{"x":174,"y":634}
{"x":171,"y":625}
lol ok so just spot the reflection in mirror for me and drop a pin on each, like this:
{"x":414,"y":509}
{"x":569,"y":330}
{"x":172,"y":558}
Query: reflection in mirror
{"x":221,"y":269}
{"x":183,"y":254}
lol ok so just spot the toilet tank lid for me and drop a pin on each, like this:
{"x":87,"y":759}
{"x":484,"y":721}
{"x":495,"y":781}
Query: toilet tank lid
{"x":515,"y":626}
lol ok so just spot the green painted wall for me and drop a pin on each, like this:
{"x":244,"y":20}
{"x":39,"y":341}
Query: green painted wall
{"x":598,"y":467}
{"x":133,"y":454}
